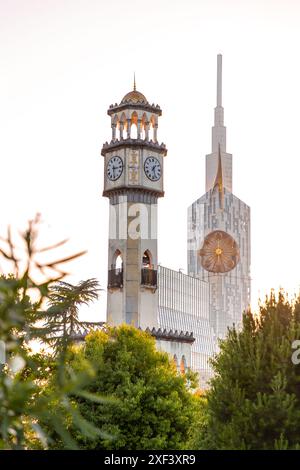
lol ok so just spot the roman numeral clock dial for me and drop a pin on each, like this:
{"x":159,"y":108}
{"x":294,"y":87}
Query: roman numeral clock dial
{"x":114,"y":168}
{"x":152,"y":168}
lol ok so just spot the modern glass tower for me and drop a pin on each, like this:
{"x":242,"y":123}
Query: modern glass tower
{"x":219,"y":233}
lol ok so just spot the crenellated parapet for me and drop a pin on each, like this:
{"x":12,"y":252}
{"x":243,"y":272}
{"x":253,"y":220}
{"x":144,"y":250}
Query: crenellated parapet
{"x":170,"y":335}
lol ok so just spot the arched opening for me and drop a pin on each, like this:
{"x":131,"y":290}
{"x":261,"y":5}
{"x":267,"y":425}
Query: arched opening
{"x":147,"y":260}
{"x":175,"y":360}
{"x":115,"y":128}
{"x":118,"y":131}
{"x":117,"y":260}
{"x":149,"y":274}
{"x":134,"y":121}
{"x":115,"y":274}
{"x":183,"y":365}
{"x":152,"y":130}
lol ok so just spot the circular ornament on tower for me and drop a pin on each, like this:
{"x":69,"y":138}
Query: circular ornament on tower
{"x":219,"y":253}
{"x":152,"y":168}
{"x":114,"y":168}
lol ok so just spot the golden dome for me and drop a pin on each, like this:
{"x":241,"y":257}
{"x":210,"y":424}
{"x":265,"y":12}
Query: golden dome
{"x":134,"y":97}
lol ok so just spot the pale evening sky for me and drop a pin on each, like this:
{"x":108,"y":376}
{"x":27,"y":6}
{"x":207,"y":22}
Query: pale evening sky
{"x":63,"y":62}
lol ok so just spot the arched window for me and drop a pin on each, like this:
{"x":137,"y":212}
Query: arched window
{"x":175,"y":361}
{"x":118,"y":131}
{"x":151,"y":129}
{"x":115,"y":128}
{"x":134,"y":121}
{"x":183,"y":365}
{"x":151,"y":132}
{"x":117,"y":261}
{"x":147,"y":260}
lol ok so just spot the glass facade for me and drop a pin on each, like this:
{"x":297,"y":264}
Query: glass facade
{"x":184,"y":306}
{"x":229,"y":292}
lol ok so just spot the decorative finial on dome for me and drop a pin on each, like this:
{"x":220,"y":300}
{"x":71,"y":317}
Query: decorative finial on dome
{"x":134,"y":84}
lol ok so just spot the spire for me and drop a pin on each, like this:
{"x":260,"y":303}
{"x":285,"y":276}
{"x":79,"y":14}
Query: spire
{"x":219,"y":80}
{"x":219,"y":130}
{"x":134,"y":84}
{"x":219,"y":159}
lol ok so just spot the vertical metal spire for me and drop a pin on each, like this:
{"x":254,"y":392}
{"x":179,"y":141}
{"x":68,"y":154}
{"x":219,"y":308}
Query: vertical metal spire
{"x":218,"y":130}
{"x":219,"y":80}
{"x":134,"y":84}
{"x":219,"y":162}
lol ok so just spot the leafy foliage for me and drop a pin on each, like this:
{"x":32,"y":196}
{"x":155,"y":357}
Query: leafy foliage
{"x":254,"y":400}
{"x":154,"y":408}
{"x":62,"y":316}
{"x":25,"y":414}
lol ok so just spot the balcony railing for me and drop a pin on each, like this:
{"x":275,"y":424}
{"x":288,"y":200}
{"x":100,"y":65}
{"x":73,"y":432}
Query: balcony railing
{"x":149,"y":277}
{"x":115,"y":278}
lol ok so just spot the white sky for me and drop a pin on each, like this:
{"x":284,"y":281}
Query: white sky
{"x":63,"y":62}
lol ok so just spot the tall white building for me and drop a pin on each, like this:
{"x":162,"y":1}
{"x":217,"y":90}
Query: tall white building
{"x":219,"y":233}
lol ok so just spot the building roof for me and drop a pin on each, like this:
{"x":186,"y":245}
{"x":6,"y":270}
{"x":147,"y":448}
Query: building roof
{"x":134,"y":97}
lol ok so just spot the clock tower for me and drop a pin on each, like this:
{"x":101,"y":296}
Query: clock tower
{"x":133,"y":182}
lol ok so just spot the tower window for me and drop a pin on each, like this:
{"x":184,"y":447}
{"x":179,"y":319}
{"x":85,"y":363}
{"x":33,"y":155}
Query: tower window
{"x":117,"y":261}
{"x":115,"y":274}
{"x":147,"y":262}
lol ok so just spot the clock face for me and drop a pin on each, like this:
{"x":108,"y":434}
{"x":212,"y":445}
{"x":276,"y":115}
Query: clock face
{"x":219,"y":253}
{"x":152,"y":168}
{"x":114,"y":168}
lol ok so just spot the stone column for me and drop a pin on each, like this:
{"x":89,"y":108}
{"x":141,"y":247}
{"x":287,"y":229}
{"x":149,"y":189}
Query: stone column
{"x":121,"y":130}
{"x":147,"y":131}
{"x":155,"y":132}
{"x":139,"y":129}
{"x":128,"y":128}
{"x":113,"y":127}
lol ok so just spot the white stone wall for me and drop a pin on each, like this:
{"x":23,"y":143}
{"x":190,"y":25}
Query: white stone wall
{"x":178,"y":351}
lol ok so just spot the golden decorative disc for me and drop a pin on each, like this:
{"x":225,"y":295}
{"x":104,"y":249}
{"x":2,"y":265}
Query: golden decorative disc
{"x":219,"y":253}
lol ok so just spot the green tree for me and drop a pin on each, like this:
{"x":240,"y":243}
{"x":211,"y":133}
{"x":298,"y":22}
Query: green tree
{"x":254,"y":399}
{"x":25,"y":414}
{"x":154,"y":407}
{"x":62,"y":316}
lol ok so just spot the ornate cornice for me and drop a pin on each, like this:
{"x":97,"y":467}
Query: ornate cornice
{"x":171,"y":335}
{"x":136,"y":194}
{"x":133,"y":143}
{"x":152,"y":108}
